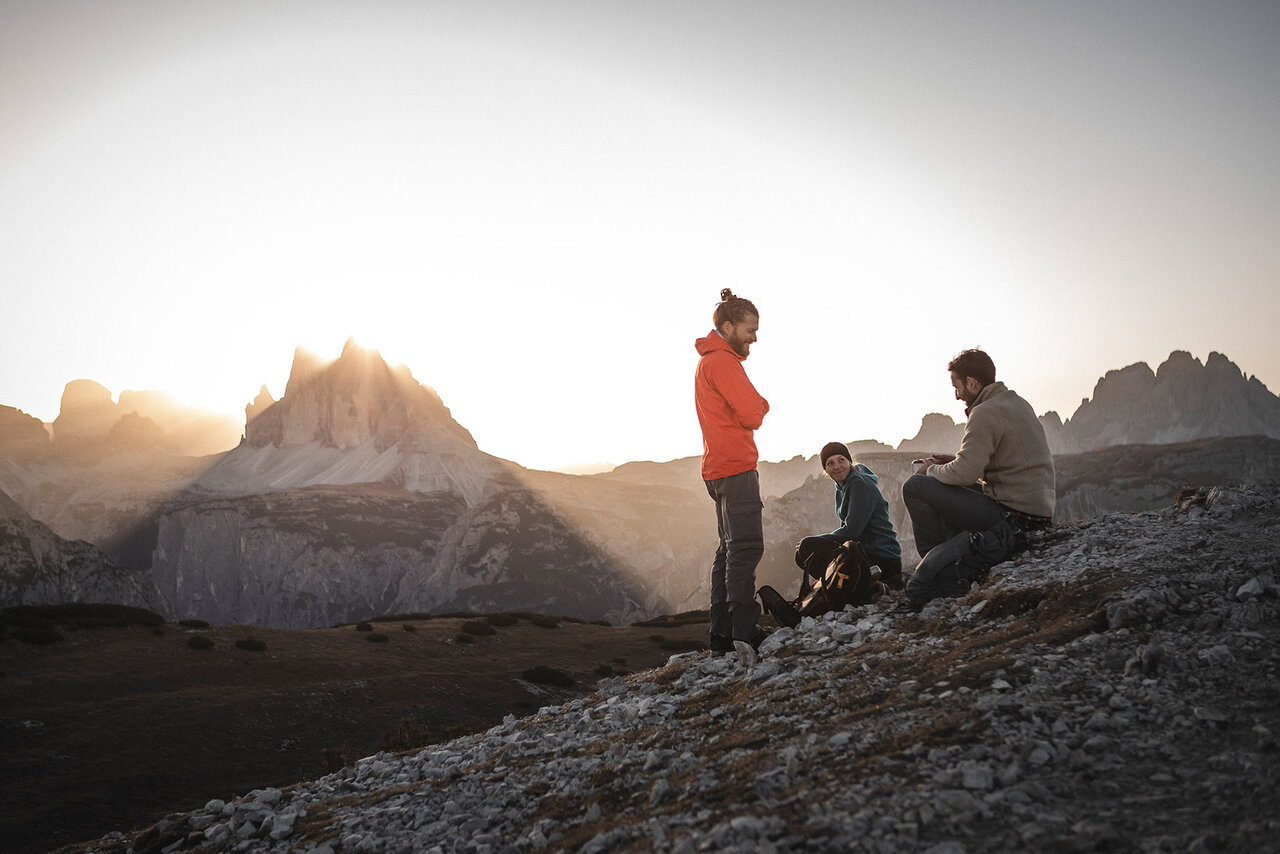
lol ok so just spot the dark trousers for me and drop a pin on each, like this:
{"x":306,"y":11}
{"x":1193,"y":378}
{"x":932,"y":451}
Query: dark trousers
{"x":815,"y":552}
{"x":740,"y":525}
{"x":939,"y":510}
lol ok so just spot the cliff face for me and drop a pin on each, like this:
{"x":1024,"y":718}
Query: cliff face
{"x":1131,"y":478}
{"x":300,"y":558}
{"x":316,"y":556}
{"x":21,"y":435}
{"x":37,"y":567}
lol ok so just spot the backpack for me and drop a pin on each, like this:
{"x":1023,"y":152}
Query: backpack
{"x":842,"y":575}
{"x":950,"y":568}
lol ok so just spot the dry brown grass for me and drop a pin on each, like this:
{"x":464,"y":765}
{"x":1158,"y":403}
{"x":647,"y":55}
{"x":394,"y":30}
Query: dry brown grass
{"x":133,"y":726}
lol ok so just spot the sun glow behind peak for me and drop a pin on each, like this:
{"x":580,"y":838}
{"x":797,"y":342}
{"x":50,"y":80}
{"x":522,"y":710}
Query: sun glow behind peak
{"x":535,"y":212}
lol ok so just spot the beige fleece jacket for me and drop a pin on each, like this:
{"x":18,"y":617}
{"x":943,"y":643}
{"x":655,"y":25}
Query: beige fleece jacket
{"x":1005,"y":450}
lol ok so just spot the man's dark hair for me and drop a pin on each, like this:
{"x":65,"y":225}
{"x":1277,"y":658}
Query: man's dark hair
{"x":974,"y":363}
{"x":733,"y":309}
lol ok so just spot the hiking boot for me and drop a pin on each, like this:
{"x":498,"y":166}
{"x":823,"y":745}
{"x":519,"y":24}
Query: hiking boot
{"x":783,"y":611}
{"x":721,"y":644}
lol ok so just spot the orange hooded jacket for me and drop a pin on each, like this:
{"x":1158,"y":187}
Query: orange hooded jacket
{"x":729,"y":409}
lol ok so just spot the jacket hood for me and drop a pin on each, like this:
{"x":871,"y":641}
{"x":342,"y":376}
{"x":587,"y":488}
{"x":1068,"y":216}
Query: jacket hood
{"x":714,"y":342}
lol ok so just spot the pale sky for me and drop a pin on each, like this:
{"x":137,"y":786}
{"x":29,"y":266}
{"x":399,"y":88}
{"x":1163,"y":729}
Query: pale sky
{"x":534,"y":205}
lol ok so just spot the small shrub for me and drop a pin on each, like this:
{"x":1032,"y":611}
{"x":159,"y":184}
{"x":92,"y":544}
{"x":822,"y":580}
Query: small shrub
{"x":619,"y":661}
{"x":38,"y":635}
{"x":409,"y":627}
{"x":364,"y":626}
{"x":604,"y":670}
{"x":464,"y":638}
{"x":251,"y":644}
{"x":193,"y":624}
{"x":376,"y":637}
{"x":543,"y":675}
{"x":542,"y":621}
{"x":200,"y":642}
{"x":502,"y":620}
{"x":478,"y":627}
{"x":601,"y":623}
{"x":658,"y":639}
{"x":682,"y":645}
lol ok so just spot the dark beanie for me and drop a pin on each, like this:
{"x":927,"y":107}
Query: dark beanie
{"x":831,"y":449}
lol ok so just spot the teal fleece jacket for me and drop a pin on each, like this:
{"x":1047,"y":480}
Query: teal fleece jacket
{"x":864,"y":514}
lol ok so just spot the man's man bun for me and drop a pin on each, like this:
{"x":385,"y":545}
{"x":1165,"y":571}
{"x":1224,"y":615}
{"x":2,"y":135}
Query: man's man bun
{"x":732,"y":308}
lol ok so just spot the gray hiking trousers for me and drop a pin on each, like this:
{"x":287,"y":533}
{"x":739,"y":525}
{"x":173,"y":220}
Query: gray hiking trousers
{"x":740,"y":526}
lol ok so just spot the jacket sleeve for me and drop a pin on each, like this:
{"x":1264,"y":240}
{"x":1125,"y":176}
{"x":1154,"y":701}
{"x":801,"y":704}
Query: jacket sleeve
{"x":747,"y":405}
{"x":858,"y":509}
{"x":976,"y":448}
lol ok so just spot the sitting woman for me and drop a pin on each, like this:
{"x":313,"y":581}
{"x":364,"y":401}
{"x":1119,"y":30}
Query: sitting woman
{"x":864,"y":516}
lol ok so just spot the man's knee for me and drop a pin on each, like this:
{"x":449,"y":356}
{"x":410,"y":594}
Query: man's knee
{"x":915,"y":486}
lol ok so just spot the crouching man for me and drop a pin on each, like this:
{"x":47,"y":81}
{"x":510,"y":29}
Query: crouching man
{"x":968,"y":510}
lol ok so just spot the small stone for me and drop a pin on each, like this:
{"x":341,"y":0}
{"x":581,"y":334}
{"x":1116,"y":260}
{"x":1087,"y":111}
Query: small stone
{"x":1251,"y":589}
{"x":1099,"y":720}
{"x":1206,"y":713}
{"x":1216,"y":656}
{"x":978,"y":777}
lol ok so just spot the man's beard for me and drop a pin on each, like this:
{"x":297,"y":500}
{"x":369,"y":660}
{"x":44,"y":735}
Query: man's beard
{"x":741,"y":347}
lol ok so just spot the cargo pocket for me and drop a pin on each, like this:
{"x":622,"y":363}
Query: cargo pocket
{"x":746,"y":526}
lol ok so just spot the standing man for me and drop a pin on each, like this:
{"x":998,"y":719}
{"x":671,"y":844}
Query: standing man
{"x":730,"y":410}
{"x":1000,"y":481}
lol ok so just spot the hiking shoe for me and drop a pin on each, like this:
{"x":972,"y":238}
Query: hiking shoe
{"x":783,"y":611}
{"x":721,"y":644}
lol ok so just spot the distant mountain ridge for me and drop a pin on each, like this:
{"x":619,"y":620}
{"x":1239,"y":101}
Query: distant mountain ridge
{"x":1182,"y":401}
{"x":358,"y":493}
{"x":88,"y":416}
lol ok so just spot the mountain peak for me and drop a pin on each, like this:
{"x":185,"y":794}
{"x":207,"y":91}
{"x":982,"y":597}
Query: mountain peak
{"x":353,"y":400}
{"x":1182,"y":400}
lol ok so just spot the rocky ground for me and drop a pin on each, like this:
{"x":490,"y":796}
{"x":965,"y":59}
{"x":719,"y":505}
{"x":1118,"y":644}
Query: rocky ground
{"x":1115,"y":688}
